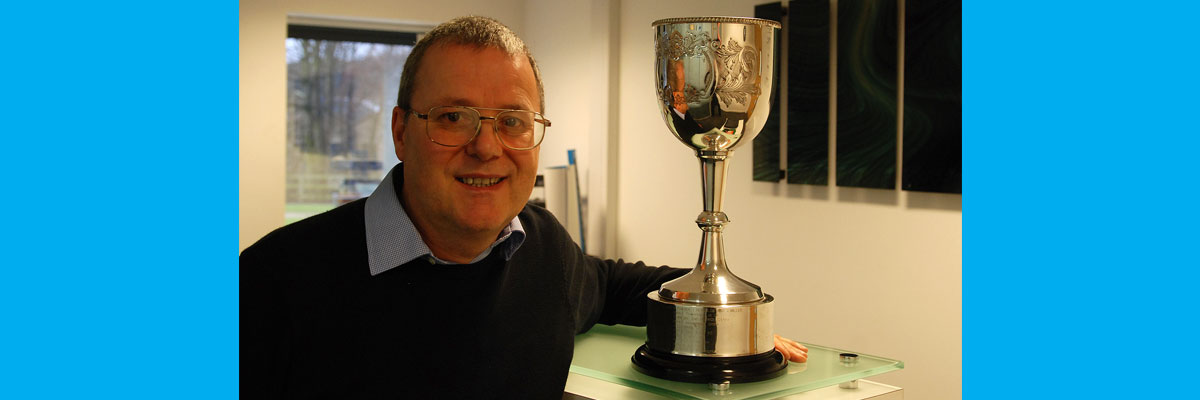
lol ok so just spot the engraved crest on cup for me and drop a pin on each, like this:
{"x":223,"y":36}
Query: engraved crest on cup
{"x":712,"y":73}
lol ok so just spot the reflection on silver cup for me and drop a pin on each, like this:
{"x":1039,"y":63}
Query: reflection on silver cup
{"x":711,"y":74}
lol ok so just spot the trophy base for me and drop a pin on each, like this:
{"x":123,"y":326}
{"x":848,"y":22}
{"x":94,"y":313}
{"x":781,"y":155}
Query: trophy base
{"x":709,"y":330}
{"x":758,"y":367}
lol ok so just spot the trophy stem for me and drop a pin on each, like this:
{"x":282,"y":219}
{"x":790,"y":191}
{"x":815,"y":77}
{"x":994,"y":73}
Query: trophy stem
{"x":711,"y":282}
{"x":712,"y":220}
{"x":712,"y":180}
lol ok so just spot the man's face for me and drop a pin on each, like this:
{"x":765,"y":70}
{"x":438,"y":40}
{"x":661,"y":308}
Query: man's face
{"x":435,"y":193}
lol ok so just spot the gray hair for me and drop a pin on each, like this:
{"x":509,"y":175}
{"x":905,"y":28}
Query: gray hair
{"x":482,"y":32}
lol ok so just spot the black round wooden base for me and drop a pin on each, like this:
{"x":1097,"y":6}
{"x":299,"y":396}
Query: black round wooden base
{"x":758,"y":367}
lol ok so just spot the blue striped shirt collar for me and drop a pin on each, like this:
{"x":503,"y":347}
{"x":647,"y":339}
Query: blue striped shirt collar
{"x":393,"y":240}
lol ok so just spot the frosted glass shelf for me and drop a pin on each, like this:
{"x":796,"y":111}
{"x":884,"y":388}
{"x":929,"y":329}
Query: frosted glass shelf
{"x":604,"y":353}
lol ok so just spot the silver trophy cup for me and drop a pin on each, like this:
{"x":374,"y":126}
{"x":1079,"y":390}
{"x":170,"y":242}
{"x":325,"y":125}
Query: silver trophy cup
{"x":713,"y":79}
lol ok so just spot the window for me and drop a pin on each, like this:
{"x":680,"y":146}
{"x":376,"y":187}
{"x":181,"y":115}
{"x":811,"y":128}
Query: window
{"x":341,"y":87}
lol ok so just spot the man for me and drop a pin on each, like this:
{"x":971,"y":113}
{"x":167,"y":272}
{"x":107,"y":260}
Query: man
{"x":443,"y":283}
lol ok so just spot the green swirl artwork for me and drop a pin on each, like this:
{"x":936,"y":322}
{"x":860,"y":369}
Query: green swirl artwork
{"x":932,"y":145}
{"x":867,"y":94}
{"x":766,"y":144}
{"x":808,"y":92}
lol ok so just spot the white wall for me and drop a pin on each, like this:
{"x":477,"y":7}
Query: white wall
{"x":573,"y":53}
{"x":875,"y":271}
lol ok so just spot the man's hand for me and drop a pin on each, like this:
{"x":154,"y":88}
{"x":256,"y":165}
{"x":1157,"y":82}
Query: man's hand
{"x":793,"y":351}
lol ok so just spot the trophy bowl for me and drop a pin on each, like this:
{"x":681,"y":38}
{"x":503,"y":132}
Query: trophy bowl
{"x":713,"y":79}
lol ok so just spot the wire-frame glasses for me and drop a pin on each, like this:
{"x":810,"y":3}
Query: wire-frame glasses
{"x":454,"y":126}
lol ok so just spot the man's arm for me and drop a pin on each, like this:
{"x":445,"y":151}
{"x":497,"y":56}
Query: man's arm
{"x":263,"y":343}
{"x":625,"y":287}
{"x":611,"y":291}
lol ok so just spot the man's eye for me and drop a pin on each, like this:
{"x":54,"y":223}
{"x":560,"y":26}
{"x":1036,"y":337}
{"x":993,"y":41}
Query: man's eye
{"x":451,"y":117}
{"x":512,"y":122}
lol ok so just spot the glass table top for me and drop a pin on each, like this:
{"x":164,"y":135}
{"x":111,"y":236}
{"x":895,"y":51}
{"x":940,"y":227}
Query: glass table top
{"x":604,"y":353}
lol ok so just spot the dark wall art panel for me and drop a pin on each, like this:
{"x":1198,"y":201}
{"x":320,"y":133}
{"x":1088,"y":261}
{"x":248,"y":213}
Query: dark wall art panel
{"x":766,"y":144}
{"x":933,"y":96}
{"x":867,"y":68}
{"x":808,"y":92}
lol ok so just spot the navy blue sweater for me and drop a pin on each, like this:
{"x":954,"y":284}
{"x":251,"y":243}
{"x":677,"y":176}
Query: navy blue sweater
{"x":316,"y":324}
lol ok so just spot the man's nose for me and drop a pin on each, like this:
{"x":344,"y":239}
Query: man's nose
{"x":486,"y":145}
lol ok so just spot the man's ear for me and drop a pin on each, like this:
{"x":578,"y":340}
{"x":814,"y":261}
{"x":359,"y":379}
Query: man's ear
{"x":398,"y":131}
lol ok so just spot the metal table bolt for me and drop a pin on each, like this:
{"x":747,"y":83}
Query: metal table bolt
{"x":849,"y":360}
{"x":720,"y":388}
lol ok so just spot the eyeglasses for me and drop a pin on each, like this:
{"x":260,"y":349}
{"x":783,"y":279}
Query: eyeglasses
{"x":454,"y":126}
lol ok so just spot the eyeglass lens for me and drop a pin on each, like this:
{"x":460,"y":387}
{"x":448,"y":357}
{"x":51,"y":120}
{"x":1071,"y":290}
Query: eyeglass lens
{"x":453,"y":126}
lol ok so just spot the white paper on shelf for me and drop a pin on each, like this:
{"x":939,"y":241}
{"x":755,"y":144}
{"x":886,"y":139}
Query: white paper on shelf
{"x":554,"y":179}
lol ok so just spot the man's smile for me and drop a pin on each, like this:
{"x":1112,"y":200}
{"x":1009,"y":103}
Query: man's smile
{"x":479,"y":182}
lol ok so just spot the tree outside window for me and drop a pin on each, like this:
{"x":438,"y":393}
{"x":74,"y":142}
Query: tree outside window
{"x":341,"y":89}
